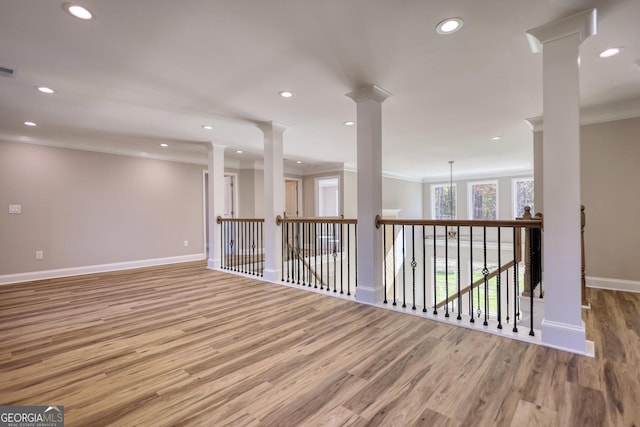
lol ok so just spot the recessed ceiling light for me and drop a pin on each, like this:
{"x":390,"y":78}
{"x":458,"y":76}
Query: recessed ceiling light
{"x":164,"y":145}
{"x":286,"y":94}
{"x":45,"y":89}
{"x":77,"y":11}
{"x":239,"y":151}
{"x":349,"y":123}
{"x":299,"y":162}
{"x":612,"y":51}
{"x":30,"y":124}
{"x":449,"y":26}
{"x":207,"y":127}
{"x":495,"y":138}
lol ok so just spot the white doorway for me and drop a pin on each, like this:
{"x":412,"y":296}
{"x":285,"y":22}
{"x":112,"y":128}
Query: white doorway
{"x":292,"y":197}
{"x":328,"y":196}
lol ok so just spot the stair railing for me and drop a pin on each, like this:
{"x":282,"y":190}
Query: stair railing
{"x":430,"y":258}
{"x":320,"y":253}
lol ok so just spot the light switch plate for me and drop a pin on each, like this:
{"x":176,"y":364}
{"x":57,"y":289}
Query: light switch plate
{"x":15,"y":209}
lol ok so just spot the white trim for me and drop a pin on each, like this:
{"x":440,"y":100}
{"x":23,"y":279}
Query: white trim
{"x":481,"y":175}
{"x":100,"y":268}
{"x":613,"y":284}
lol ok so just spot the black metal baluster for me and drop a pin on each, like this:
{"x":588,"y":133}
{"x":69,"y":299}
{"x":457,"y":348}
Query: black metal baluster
{"x":309,"y":237}
{"x":302,"y":254}
{"x":471,"y":275}
{"x":335,"y":255}
{"x":298,"y":252}
{"x":355,"y":229}
{"x":404,"y":277}
{"x":424,"y":270}
{"x":446,"y":271}
{"x":435,"y":277}
{"x":498,"y":279}
{"x":315,"y":254}
{"x":393,"y":246}
{"x":349,"y":261}
{"x":384,"y":261}
{"x":341,"y":259}
{"x":245,"y":247}
{"x":507,"y":288}
{"x":458,"y":275}
{"x":515,"y":283}
{"x":485,"y":273}
{"x":531,"y":333}
{"x":261,"y":247}
{"x":414,"y":264}
{"x":223,"y":235}
{"x":321,"y":255}
{"x":285,"y":245}
{"x":282,"y":246}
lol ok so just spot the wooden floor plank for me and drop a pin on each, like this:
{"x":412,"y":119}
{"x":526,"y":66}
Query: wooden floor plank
{"x":184,"y":345}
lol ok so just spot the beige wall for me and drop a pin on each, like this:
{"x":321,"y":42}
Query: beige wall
{"x":610,"y":177}
{"x":403,"y":195}
{"x":83,"y":208}
{"x":350,"y":194}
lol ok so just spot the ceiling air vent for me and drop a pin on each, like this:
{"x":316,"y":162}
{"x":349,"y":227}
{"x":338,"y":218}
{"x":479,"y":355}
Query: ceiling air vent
{"x":6,"y":72}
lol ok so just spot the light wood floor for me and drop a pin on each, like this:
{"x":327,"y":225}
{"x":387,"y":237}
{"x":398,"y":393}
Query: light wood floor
{"x":182,"y":345}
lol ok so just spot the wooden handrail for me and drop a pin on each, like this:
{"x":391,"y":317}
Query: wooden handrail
{"x":525,"y":223}
{"x":477,"y":283}
{"x":220,"y":220}
{"x":316,"y":220}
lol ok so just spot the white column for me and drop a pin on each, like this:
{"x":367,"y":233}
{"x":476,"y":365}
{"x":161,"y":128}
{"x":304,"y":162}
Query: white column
{"x":369,"y":122}
{"x":273,"y":199}
{"x":562,"y":326}
{"x":538,"y":189}
{"x":216,"y":201}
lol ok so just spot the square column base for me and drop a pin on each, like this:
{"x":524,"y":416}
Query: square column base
{"x":213,"y":264}
{"x":274,"y":276}
{"x":368,"y":295}
{"x":564,"y":336}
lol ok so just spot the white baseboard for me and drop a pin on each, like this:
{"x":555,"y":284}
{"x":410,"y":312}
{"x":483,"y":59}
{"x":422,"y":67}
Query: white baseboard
{"x":90,"y":269}
{"x":613,"y":284}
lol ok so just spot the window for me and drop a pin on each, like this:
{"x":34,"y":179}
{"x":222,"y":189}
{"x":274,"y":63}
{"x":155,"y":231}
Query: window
{"x":522,"y":195}
{"x":443,"y":201}
{"x":328,"y":196}
{"x":483,"y":200}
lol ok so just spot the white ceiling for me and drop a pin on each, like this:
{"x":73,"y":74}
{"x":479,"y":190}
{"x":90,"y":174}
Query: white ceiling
{"x":151,"y":71}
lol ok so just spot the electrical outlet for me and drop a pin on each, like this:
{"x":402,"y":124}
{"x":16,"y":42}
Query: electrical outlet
{"x":186,"y":243}
{"x":39,"y":255}
{"x":15,"y":209}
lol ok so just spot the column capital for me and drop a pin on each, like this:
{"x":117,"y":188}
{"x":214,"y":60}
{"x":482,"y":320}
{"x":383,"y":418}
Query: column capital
{"x":210,"y":145}
{"x":583,"y":23}
{"x":535,"y":123}
{"x":369,"y":92}
{"x":271,"y":126}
